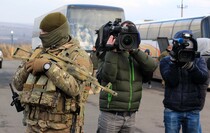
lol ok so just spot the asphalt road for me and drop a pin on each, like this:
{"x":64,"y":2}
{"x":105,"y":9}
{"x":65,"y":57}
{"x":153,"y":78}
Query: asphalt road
{"x":149,"y":117}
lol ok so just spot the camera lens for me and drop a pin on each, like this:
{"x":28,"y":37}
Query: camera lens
{"x":127,"y":40}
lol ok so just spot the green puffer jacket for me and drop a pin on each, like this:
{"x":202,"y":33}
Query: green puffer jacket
{"x":126,"y":73}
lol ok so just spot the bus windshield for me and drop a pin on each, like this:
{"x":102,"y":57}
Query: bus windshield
{"x":83,"y":20}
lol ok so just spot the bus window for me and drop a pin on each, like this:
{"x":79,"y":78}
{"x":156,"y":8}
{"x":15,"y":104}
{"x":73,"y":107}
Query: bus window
{"x":83,"y":21}
{"x":195,"y":27}
{"x":143,"y":29}
{"x":153,"y":31}
{"x":166,"y":29}
{"x":181,"y":25}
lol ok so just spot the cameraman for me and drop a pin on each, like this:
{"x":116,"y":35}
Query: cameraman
{"x":126,"y":70}
{"x":185,"y":87}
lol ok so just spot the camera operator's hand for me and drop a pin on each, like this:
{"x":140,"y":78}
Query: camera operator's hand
{"x":174,"y":51}
{"x":133,"y":51}
{"x":188,"y":65}
{"x":110,"y":43}
{"x":172,"y":59}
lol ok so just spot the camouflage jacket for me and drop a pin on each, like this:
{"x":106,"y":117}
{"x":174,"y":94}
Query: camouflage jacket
{"x":54,"y":98}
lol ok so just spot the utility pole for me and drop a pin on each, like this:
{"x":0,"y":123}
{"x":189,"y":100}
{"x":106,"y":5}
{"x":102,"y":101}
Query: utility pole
{"x":182,"y":7}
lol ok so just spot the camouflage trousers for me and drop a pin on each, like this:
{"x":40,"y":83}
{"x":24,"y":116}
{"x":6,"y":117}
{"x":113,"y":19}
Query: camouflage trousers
{"x":38,"y":129}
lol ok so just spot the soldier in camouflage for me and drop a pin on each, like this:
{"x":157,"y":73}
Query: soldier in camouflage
{"x":53,"y":98}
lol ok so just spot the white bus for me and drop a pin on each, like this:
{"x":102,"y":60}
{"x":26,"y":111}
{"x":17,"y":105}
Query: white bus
{"x":151,"y":30}
{"x":83,"y":21}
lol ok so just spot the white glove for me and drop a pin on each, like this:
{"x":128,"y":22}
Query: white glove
{"x":188,"y":65}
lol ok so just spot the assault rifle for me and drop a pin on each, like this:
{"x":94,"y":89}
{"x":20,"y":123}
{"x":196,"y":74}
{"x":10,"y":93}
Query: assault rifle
{"x":15,"y":100}
{"x":75,"y":71}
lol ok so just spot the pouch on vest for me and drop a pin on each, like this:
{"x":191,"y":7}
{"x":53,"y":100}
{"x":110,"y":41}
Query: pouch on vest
{"x":71,"y":105}
{"x":43,"y":93}
{"x":50,"y":96}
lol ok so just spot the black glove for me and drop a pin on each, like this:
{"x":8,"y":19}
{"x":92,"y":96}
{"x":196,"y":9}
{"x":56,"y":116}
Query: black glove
{"x":174,"y":52}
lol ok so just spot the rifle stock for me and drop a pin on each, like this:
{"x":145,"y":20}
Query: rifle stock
{"x":84,"y":76}
{"x":22,"y":54}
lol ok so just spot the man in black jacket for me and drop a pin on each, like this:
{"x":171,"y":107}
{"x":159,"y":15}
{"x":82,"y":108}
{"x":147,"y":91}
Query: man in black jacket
{"x":185,"y":86}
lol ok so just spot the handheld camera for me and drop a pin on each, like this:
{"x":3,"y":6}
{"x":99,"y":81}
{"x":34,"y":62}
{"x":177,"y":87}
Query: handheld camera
{"x":127,"y":37}
{"x":186,"y":48}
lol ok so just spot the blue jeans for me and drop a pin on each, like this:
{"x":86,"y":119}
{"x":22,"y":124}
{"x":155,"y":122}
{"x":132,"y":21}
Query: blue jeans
{"x":188,"y":121}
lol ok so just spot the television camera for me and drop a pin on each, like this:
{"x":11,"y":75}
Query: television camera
{"x":185,"y":48}
{"x":127,"y":37}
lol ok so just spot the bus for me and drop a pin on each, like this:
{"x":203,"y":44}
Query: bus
{"x":83,"y":20}
{"x":150,"y":31}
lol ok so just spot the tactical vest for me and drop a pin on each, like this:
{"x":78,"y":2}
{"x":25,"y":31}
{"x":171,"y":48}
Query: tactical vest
{"x":47,"y":105}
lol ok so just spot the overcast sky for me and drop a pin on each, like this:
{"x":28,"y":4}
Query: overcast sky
{"x":24,"y":11}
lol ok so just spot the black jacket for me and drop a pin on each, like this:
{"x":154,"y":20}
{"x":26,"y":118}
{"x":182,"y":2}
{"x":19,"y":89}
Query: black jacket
{"x":185,"y":90}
